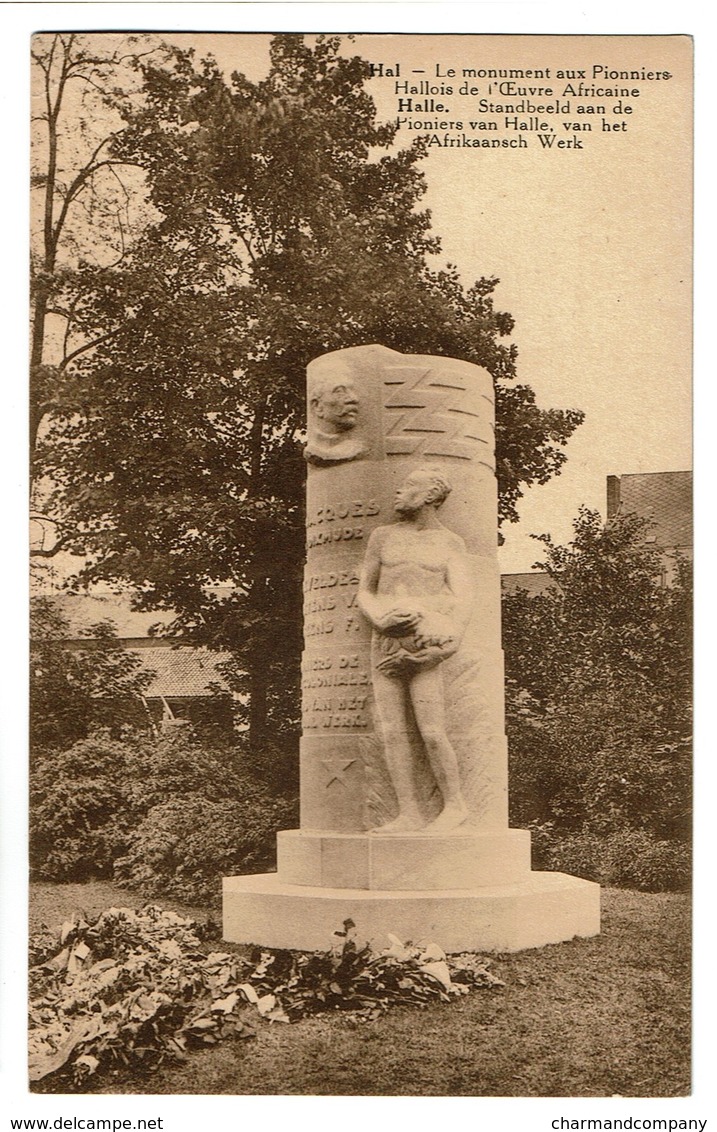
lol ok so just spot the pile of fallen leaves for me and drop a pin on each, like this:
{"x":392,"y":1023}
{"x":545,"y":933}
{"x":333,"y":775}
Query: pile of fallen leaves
{"x":135,"y":988}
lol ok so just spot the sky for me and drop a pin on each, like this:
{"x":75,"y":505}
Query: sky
{"x":592,"y":247}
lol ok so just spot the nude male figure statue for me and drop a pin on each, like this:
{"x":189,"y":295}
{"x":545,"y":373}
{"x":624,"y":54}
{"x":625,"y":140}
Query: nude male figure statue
{"x":416,"y":591}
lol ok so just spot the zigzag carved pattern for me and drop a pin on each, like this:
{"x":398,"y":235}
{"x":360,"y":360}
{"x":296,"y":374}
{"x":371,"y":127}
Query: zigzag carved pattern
{"x":438,"y":418}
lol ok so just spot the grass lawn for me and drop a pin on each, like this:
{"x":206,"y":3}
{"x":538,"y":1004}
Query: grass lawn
{"x":598,"y":1017}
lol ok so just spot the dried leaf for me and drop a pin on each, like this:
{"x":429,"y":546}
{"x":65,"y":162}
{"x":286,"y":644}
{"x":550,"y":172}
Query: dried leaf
{"x":266,"y":1004}
{"x":87,"y":1063}
{"x":59,"y":961}
{"x":216,"y":959}
{"x":44,"y":1064}
{"x":226,"y":1005}
{"x":103,"y":965}
{"x":201,"y":1024}
{"x":438,"y":971}
{"x":397,"y":950}
{"x":155,"y":992}
{"x":432,"y":951}
{"x":278,"y":1014}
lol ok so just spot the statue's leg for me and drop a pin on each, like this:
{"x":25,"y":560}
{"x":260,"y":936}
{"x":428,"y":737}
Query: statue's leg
{"x":427,"y":697}
{"x":391,"y":698}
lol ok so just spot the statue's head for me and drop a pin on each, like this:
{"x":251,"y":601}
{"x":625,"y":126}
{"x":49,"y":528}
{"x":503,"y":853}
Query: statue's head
{"x":333,"y":399}
{"x":423,"y":487}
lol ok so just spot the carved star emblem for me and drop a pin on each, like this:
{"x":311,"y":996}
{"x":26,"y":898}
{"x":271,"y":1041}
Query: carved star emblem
{"x":336,"y":768}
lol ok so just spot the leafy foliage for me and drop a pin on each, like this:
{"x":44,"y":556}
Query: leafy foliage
{"x":288,"y":226}
{"x":165,"y":814}
{"x":183,"y":846}
{"x":599,"y":683}
{"x":136,"y":988}
{"x":80,"y":815}
{"x":123,"y":990}
{"x":75,"y":690}
{"x":609,"y":613}
{"x":627,"y":858}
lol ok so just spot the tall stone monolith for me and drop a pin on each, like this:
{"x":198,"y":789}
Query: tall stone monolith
{"x":404,"y":768}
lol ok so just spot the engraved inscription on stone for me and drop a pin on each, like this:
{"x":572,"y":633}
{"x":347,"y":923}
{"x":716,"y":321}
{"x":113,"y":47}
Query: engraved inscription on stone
{"x":333,"y":534}
{"x":331,"y":615}
{"x":334,"y":712}
{"x":330,"y":672}
{"x":356,"y":509}
{"x":328,"y":525}
{"x":330,"y":580}
{"x":334,"y":692}
{"x":410,"y":412}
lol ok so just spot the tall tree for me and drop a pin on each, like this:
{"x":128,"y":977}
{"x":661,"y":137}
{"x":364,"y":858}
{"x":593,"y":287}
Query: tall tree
{"x":289,"y":226}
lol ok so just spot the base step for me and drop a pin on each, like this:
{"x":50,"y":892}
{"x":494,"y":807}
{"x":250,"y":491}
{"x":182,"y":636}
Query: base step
{"x":543,"y":908}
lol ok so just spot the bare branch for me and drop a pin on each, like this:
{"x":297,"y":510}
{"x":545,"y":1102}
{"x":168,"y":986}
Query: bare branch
{"x":41,"y":61}
{"x":88,"y":346}
{"x":122,"y":240}
{"x":125,"y":191}
{"x":88,"y":80}
{"x":40,"y":552}
{"x":79,"y":184}
{"x":66,"y":336}
{"x":247,"y":245}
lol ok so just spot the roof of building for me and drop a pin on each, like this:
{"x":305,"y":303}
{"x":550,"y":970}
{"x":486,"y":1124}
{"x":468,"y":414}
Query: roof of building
{"x":84,"y":610}
{"x":535,"y":582}
{"x":181,"y":672}
{"x":663,"y":497}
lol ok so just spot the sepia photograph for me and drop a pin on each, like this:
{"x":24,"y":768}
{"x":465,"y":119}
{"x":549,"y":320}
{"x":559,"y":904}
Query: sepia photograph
{"x":360,"y":656}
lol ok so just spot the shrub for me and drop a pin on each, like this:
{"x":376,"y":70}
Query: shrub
{"x":81,"y":810}
{"x":175,"y":813}
{"x":184,"y":846}
{"x":597,"y":761}
{"x":630,"y":858}
{"x":598,"y":706}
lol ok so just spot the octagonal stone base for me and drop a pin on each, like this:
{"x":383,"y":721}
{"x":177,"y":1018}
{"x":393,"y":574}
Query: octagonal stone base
{"x":539,"y":909}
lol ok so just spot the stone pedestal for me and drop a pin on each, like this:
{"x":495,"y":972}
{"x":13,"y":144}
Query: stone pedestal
{"x":379,"y":420}
{"x":422,"y":861}
{"x":542,"y":908}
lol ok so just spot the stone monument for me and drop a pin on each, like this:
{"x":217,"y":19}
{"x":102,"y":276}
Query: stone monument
{"x":404,"y":762}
